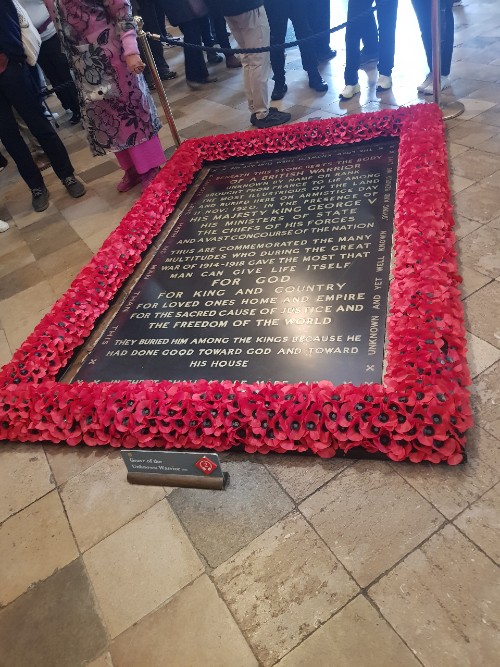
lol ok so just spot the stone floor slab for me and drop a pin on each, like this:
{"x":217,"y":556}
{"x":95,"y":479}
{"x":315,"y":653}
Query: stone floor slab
{"x":103,"y":660}
{"x":219,"y":524}
{"x":481,"y":313}
{"x":481,"y":523}
{"x":370,"y":518}
{"x":24,"y":477}
{"x":99,"y":500}
{"x":480,"y":354}
{"x":478,"y":203}
{"x":194,"y":629}
{"x":485,"y":399}
{"x":66,"y":462}
{"x":358,"y":636}
{"x":34,"y":544}
{"x":481,"y":250}
{"x":302,"y":475}
{"x":444,"y":601}
{"x":56,"y":623}
{"x":282,"y":586}
{"x":140,"y":566}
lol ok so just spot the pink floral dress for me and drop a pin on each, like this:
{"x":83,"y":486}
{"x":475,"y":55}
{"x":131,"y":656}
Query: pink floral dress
{"x":118,"y":111}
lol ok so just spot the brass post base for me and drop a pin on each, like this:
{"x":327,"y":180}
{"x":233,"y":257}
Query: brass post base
{"x":451,"y":109}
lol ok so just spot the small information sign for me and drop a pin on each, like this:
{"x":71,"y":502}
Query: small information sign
{"x":197,"y":470}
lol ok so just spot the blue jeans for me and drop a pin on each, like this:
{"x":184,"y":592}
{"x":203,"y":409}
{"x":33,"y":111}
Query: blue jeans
{"x":358,"y":24}
{"x":423,"y":10}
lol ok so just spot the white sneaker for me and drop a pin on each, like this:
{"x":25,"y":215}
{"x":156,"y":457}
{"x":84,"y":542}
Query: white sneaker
{"x":350,"y":91}
{"x":4,"y":226}
{"x":445,"y":83}
{"x":384,"y":82}
{"x":425,"y":83}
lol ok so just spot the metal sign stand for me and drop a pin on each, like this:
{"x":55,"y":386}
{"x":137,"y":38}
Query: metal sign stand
{"x":143,"y":38}
{"x":449,"y":109}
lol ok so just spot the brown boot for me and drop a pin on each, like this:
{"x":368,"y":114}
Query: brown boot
{"x":232,"y":62}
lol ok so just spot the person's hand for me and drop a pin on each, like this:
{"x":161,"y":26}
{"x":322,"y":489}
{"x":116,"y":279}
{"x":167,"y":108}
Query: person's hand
{"x":135,"y":64}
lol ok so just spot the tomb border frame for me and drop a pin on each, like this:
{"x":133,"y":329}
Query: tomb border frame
{"x":421,"y":410}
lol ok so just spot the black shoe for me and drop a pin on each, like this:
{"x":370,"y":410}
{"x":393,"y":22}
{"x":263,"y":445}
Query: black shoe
{"x":167,"y":74}
{"x":317,"y":83}
{"x":75,"y":118}
{"x":74,"y":187}
{"x":40,"y":199}
{"x":279,"y":91}
{"x":274,"y":117}
{"x":327,"y":55}
{"x":214,"y":58}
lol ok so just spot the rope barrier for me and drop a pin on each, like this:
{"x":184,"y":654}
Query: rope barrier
{"x":263,"y":49}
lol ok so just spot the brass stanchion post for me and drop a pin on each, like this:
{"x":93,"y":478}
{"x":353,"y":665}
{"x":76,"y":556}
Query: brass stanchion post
{"x":448,"y":109}
{"x":143,"y":38}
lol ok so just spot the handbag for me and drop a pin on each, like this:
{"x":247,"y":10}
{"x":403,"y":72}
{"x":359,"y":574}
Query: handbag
{"x":29,"y":34}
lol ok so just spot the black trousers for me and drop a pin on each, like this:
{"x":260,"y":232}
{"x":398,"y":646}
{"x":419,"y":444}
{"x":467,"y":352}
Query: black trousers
{"x":196,"y":68}
{"x":220,"y":28}
{"x":55,"y":65}
{"x":278,"y":12}
{"x":18,"y":90}
{"x":154,"y":21}
{"x":319,"y":20}
{"x":358,"y":23}
{"x":423,"y":10}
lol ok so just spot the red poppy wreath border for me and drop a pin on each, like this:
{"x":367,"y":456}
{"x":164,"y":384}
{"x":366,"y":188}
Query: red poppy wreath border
{"x":421,"y":412}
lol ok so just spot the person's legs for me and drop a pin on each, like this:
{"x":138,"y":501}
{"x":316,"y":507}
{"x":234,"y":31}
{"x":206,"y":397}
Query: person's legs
{"x":423,"y":12}
{"x":298,"y":10}
{"x":15,"y":146}
{"x":140,"y":163}
{"x":208,"y":39}
{"x":149,"y":13}
{"x":353,"y":33}
{"x":319,"y":20}
{"x":447,"y":36}
{"x":251,"y":30}
{"x":387,"y":11}
{"x":369,"y":37}
{"x":219,"y":23}
{"x":20,"y":91}
{"x":277,"y":15}
{"x":196,"y":68}
{"x":55,"y":65}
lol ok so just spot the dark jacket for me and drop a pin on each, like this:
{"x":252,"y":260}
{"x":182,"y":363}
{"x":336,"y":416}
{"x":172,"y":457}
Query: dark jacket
{"x":235,"y":7}
{"x":182,"y":11}
{"x":10,"y":32}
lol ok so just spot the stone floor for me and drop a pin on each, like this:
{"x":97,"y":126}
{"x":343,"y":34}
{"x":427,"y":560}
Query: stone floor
{"x":275,"y":570}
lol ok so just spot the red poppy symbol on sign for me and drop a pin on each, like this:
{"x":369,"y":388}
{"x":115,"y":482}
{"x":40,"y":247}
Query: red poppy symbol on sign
{"x":206,"y":465}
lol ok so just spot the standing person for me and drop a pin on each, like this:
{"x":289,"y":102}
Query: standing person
{"x":358,"y":22}
{"x":153,"y":16}
{"x":248,"y":23}
{"x":319,"y":20}
{"x":278,"y":12}
{"x":18,"y":90}
{"x":51,"y":59}
{"x":423,"y":10}
{"x":189,"y":16}
{"x":220,"y":29}
{"x":118,"y":111}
